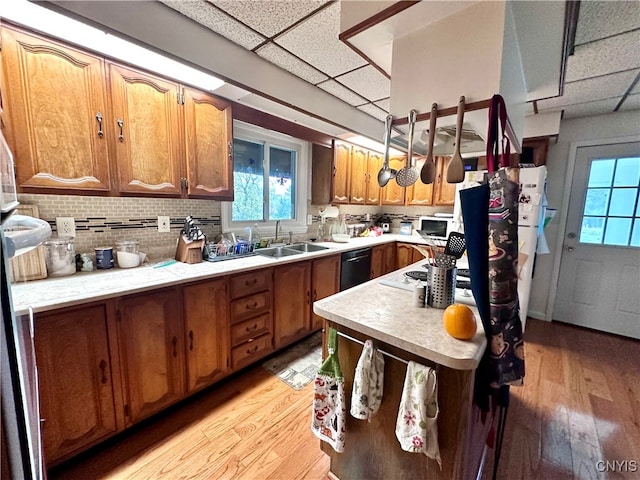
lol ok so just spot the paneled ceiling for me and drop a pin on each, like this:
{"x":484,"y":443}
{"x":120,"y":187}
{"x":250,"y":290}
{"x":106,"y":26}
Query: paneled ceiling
{"x":301,"y":37}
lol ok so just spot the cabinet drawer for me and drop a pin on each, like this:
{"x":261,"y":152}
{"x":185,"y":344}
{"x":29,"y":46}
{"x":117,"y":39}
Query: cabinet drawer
{"x":258,"y":281}
{"x":252,"y":328}
{"x":250,"y":351}
{"x":250,"y":306}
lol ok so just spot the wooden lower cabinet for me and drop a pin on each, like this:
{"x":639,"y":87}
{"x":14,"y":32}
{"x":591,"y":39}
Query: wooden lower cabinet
{"x":389,"y":260}
{"x":151,"y":340}
{"x":325,"y":281}
{"x":406,"y":255}
{"x":292,"y":303}
{"x":206,"y":325}
{"x":383,"y":259}
{"x":79,"y":379}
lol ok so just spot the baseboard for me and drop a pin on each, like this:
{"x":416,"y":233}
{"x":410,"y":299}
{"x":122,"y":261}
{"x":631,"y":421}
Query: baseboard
{"x":537,"y":315}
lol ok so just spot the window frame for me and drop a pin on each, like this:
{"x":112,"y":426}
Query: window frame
{"x":269,"y":138}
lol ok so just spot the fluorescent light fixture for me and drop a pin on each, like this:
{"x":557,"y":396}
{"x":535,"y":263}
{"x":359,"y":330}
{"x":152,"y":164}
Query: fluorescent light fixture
{"x":65,"y":28}
{"x":371,"y":144}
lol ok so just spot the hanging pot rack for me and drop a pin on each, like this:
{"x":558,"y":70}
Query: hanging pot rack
{"x":469,"y":107}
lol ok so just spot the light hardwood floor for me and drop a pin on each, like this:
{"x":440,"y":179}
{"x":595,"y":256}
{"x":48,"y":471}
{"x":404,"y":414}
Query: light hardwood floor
{"x":580,"y":404}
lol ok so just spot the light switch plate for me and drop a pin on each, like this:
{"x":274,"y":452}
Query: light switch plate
{"x":164,"y":224}
{"x":66,"y":226}
{"x":309,"y":219}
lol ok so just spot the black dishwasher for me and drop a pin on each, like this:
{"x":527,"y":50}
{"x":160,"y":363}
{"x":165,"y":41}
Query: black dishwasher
{"x":355,"y":268}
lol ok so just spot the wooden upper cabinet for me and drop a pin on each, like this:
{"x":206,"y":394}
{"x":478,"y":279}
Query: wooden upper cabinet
{"x":206,"y":317}
{"x":208,"y":144}
{"x":151,"y":340}
{"x":420,"y":193}
{"x":292,"y":301}
{"x":321,"y":174}
{"x":55,"y":108}
{"x":341,"y":159}
{"x":392,"y":193}
{"x":358,"y":180}
{"x":80,"y":396}
{"x":373,"y":167}
{"x":445,"y":192}
{"x":145,"y":123}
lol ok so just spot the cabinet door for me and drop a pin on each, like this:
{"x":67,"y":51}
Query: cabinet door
{"x":206,"y":318}
{"x":147,"y":136}
{"x":321,"y":175}
{"x":151,"y":344}
{"x":358,"y":176}
{"x":389,"y":258}
{"x":373,"y":189}
{"x":341,"y":156}
{"x":392,"y":193}
{"x":325,"y":281}
{"x":208,"y":146}
{"x":445,"y":192}
{"x":292,"y":300}
{"x":419,"y":193}
{"x":80,"y":396}
{"x":55,"y":104}
{"x":404,"y":255}
{"x":377,"y":261}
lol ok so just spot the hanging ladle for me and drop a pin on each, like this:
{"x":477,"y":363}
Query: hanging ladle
{"x":455,"y":170}
{"x":428,"y":172}
{"x":408,"y":175}
{"x":385,"y":174}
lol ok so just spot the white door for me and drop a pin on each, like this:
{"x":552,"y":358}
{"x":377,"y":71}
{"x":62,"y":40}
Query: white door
{"x":599,"y":282}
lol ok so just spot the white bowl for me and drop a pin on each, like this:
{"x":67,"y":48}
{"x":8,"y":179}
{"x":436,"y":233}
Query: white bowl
{"x":128,"y":260}
{"x":340,"y":237}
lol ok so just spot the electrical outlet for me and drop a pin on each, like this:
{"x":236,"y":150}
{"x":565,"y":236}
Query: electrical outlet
{"x":164,"y":224}
{"x":66,"y":226}
{"x":309,"y":219}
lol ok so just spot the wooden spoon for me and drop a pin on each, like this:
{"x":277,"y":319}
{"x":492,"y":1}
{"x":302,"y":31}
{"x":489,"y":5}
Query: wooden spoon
{"x":428,"y":172}
{"x":455,"y":169}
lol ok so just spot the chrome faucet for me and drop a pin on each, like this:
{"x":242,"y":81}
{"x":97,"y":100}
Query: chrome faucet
{"x":277,"y":228}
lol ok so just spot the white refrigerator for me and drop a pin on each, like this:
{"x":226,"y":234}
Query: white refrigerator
{"x":531,"y":213}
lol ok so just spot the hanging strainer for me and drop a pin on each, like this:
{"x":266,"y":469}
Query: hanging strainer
{"x":409,"y":174}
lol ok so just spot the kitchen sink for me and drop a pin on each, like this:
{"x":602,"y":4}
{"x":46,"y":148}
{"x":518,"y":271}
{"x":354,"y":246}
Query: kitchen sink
{"x":306,"y":247}
{"x":277,"y":252}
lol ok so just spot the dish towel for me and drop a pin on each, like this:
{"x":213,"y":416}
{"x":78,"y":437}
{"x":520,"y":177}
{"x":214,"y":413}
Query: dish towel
{"x":329,"y":410}
{"x":368,"y":381}
{"x":416,"y":426}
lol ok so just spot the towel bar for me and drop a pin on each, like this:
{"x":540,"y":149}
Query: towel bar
{"x":343,"y":335}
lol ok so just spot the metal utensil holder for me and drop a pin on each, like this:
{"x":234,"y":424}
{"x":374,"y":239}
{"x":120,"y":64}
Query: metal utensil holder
{"x":442,"y":286}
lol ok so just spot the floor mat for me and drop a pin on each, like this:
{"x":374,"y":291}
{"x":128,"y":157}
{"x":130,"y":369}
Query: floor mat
{"x":297,"y":365}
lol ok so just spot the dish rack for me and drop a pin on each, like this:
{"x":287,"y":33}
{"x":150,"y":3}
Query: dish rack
{"x":217,"y":252}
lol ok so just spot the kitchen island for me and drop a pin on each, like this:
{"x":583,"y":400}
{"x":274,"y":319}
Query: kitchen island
{"x":387,"y":316}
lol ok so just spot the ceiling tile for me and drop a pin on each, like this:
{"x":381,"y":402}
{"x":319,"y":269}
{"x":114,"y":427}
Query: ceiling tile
{"x":632,"y":102}
{"x":316,"y":41}
{"x":368,"y":82}
{"x":603,"y":19}
{"x":284,"y":59}
{"x":598,"y":88}
{"x":269,"y":17}
{"x":212,"y":18}
{"x":384,"y":104}
{"x":343,"y":93}
{"x":586,"y":109}
{"x":374,"y":111}
{"x":605,"y":56}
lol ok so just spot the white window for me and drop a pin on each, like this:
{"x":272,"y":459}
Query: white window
{"x":270,"y":172}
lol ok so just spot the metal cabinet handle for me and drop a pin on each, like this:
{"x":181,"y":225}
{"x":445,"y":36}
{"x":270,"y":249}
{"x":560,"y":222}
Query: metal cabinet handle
{"x":191,"y":340}
{"x":308,"y":297}
{"x":230,"y":149}
{"x":174,"y":342}
{"x":248,"y":283}
{"x":184,"y":183}
{"x":120,"y":124}
{"x":252,"y":307}
{"x":252,"y":329}
{"x":252,"y":350}
{"x":103,"y":370}
{"x":99,"y":118}
{"x":335,"y":170}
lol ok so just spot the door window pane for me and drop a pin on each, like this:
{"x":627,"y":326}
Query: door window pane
{"x":592,"y":230}
{"x":597,"y":201}
{"x":282,"y":200}
{"x":622,"y":202}
{"x":601,"y":173}
{"x":617,"y":231}
{"x":248,"y":181}
{"x":627,"y":172}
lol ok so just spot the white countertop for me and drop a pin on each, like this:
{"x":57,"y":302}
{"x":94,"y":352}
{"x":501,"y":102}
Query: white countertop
{"x":387,"y":314}
{"x":82,"y":287}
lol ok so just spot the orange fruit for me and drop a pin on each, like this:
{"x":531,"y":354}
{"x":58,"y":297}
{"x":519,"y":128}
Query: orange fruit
{"x":459,"y":321}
